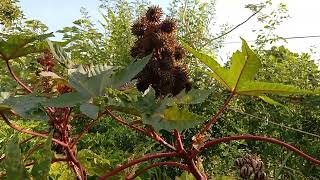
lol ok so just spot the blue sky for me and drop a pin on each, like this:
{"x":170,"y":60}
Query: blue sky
{"x":57,"y":14}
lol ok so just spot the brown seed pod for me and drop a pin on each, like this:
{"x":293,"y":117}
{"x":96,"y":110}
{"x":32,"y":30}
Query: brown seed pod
{"x":179,"y":53}
{"x":260,"y":175}
{"x":240,"y":162}
{"x":246,"y":171}
{"x":142,"y":85}
{"x":168,"y":25}
{"x":154,"y":14}
{"x":257,"y":165}
{"x":139,"y":27}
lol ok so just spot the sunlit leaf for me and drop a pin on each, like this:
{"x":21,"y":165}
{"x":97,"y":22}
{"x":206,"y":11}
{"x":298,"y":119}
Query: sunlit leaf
{"x":239,"y":78}
{"x":120,"y":78}
{"x":18,"y":45}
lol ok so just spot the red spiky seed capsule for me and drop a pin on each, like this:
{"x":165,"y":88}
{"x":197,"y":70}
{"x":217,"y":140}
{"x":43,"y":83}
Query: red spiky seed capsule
{"x":168,"y":25}
{"x":154,"y":14}
{"x":179,"y":53}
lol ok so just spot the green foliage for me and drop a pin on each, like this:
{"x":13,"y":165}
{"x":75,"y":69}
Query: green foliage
{"x":14,"y":165}
{"x":9,"y":12}
{"x":194,"y":96}
{"x":239,"y":78}
{"x":28,"y":106}
{"x":94,"y":163}
{"x":13,"y":46}
{"x":41,"y":168}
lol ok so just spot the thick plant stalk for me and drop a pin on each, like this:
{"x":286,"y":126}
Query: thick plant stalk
{"x":188,"y":159}
{"x":137,"y":161}
{"x":258,"y":138}
{"x":18,"y":79}
{"x":13,"y":126}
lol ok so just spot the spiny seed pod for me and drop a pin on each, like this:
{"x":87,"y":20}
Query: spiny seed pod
{"x":154,"y":13}
{"x":162,"y":72}
{"x":179,"y":53}
{"x":246,"y":171}
{"x":240,"y":162}
{"x":257,"y":165}
{"x":142,"y":85}
{"x":139,"y":27}
{"x":168,"y":25}
{"x":260,"y":175}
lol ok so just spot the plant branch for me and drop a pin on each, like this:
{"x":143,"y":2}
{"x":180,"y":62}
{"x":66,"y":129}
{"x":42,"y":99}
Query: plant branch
{"x":137,"y":161}
{"x":215,"y":117}
{"x":259,"y":138}
{"x":29,"y":132}
{"x":17,"y":79}
{"x":232,"y":29}
{"x":168,"y":163}
{"x":87,"y":127}
{"x":153,"y":134}
{"x":179,"y":141}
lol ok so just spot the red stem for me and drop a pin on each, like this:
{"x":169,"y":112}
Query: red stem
{"x":215,"y":117}
{"x":17,"y":79}
{"x":137,"y":161}
{"x":188,"y":159}
{"x":153,"y":134}
{"x":86,"y":128}
{"x":30,"y":132}
{"x":179,"y":141}
{"x":169,"y":163}
{"x":259,"y":138}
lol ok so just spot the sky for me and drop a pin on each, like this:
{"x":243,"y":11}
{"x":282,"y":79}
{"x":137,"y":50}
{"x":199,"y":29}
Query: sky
{"x":303,"y":21}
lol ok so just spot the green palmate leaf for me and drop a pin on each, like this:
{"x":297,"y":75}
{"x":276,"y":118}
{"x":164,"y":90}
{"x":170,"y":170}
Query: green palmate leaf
{"x":92,"y":82}
{"x":13,"y":162}
{"x":122,"y":77}
{"x":28,"y":106}
{"x":89,"y":110}
{"x":13,"y":46}
{"x":174,"y":118}
{"x":66,"y":100}
{"x":90,"y":86}
{"x":194,"y":96}
{"x":41,"y":168}
{"x":256,"y":88}
{"x":240,"y":77}
{"x":219,"y":73}
{"x":59,"y":54}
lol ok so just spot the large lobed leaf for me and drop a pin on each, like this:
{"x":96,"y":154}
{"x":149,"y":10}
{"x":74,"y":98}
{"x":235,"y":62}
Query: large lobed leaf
{"x":18,"y":45}
{"x":239,"y":78}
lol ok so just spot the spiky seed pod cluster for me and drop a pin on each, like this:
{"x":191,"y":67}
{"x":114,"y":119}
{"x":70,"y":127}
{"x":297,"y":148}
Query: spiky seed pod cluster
{"x":164,"y":72}
{"x":250,"y":164}
{"x":46,"y":61}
